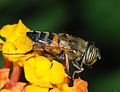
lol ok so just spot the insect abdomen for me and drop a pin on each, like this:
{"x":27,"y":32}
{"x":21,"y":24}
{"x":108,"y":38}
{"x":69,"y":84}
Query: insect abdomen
{"x":43,"y":37}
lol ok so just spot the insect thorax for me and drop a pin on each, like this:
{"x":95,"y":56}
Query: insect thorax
{"x":76,"y":46}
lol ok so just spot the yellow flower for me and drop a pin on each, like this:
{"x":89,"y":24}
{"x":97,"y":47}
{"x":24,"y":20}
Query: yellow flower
{"x":35,"y":68}
{"x":15,"y":51}
{"x":7,"y":30}
{"x":17,"y":43}
{"x":12,"y":32}
{"x":33,"y":88}
{"x":43,"y":72}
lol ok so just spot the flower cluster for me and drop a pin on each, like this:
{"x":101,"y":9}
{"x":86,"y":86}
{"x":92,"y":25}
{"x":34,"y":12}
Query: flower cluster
{"x":42,"y":75}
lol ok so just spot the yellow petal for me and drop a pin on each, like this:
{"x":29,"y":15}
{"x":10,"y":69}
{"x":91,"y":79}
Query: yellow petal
{"x":14,"y":52}
{"x":21,"y":60}
{"x":57,"y":73}
{"x":29,"y":70}
{"x":42,"y":65}
{"x":23,"y":44}
{"x":36,"y":69}
{"x":12,"y":32}
{"x":43,"y":83}
{"x":21,"y":29}
{"x":66,"y":88}
{"x":33,"y":88}
{"x":7,"y":30}
{"x":6,"y":90}
{"x":9,"y":52}
{"x":55,"y":90}
{"x":8,"y":47}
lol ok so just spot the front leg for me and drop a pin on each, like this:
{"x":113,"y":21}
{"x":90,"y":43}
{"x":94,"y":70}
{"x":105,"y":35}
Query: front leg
{"x":67,"y":62}
{"x":78,"y":66}
{"x":77,"y":72}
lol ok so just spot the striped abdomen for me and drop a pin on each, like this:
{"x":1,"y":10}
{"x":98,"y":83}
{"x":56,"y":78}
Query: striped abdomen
{"x":45,"y":41}
{"x":46,"y":38}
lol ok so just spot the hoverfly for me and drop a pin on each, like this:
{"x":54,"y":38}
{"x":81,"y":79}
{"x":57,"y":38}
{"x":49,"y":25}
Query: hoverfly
{"x":66,"y":48}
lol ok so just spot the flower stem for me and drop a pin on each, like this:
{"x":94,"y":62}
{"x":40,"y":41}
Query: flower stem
{"x":14,"y":78}
{"x":7,"y":64}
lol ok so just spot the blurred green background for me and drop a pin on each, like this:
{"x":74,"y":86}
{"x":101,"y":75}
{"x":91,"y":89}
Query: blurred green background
{"x":92,"y":20}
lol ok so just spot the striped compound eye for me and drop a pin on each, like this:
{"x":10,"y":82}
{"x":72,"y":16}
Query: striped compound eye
{"x":91,"y":55}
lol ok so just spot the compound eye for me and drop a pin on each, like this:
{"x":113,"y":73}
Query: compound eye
{"x":91,"y":55}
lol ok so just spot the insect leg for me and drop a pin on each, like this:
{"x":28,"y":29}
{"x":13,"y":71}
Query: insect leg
{"x":78,"y":66}
{"x":67,"y":62}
